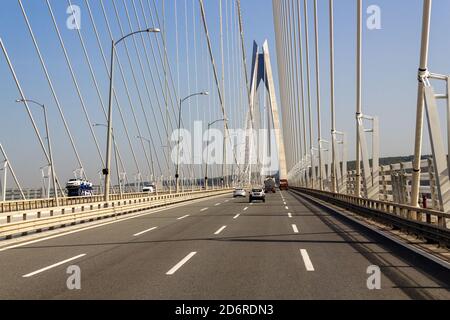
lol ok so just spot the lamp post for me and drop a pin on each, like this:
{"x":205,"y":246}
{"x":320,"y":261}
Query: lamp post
{"x":177,"y":173}
{"x":115,"y":157}
{"x":49,"y":144}
{"x":109,"y":135}
{"x":207,"y":153}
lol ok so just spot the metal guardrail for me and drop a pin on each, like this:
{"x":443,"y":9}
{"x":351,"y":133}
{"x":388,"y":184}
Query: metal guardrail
{"x":430,"y":224}
{"x":32,"y":204}
{"x":68,"y":216}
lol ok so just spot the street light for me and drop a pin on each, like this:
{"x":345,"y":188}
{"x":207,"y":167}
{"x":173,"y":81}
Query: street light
{"x":207,"y":153}
{"x":151,"y":156}
{"x":115,"y":157}
{"x":50,"y":154}
{"x":109,"y":136}
{"x":177,"y":173}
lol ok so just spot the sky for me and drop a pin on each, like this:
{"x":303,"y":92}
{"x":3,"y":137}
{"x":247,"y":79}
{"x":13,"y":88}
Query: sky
{"x":390,"y":64}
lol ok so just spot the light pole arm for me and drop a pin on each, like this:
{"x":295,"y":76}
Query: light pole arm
{"x":193,"y":95}
{"x":136,"y":32}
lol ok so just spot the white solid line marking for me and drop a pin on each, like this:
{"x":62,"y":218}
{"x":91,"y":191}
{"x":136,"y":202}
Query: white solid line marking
{"x":290,"y":215}
{"x":308,"y":264}
{"x":237,"y":216}
{"x":245,"y":208}
{"x":294,"y":227}
{"x":181,"y":263}
{"x":204,"y":209}
{"x":145,"y":231}
{"x":220,"y":230}
{"x":217,"y":204}
{"x":180,"y":218}
{"x":53,"y":266}
{"x":287,"y":208}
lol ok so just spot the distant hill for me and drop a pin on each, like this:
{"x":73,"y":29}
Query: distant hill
{"x":351,"y":165}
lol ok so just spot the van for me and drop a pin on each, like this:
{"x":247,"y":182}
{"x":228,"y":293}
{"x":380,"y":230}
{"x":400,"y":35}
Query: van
{"x":284,"y":184}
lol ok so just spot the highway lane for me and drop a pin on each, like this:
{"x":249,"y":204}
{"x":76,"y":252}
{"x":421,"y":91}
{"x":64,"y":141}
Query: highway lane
{"x":221,"y":248}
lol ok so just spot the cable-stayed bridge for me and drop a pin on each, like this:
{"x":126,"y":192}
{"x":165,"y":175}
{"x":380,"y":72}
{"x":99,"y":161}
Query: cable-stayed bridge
{"x":149,"y":128}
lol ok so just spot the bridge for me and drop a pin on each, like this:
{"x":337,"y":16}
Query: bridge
{"x":192,"y":111}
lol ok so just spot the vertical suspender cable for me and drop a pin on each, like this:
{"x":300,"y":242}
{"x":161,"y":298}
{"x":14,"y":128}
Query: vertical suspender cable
{"x":297,"y":105}
{"x":194,"y":32}
{"x":358,"y":96}
{"x":300,"y":41}
{"x":279,"y":44}
{"x":333,"y":113}
{"x":308,"y":77}
{"x":223,"y":89}
{"x":287,"y":81}
{"x":423,"y":73}
{"x":319,"y":133}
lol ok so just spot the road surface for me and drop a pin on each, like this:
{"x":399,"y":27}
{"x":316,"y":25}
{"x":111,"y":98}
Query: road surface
{"x":222,"y":248}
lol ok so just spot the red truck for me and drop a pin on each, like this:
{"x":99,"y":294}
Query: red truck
{"x":284,"y":184}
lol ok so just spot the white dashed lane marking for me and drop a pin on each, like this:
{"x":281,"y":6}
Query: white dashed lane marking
{"x":306,"y":260}
{"x":53,"y":266}
{"x":181,"y":263}
{"x":220,"y":230}
{"x":142,"y":232}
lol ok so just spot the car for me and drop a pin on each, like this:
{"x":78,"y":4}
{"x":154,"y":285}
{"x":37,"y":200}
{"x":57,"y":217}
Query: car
{"x":257,"y":194}
{"x":148,"y":189}
{"x":239,"y":192}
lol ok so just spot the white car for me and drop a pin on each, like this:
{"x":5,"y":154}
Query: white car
{"x":257,"y":194}
{"x":148,"y":189}
{"x":239,"y":192}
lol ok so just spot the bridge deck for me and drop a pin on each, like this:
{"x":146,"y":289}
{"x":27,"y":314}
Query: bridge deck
{"x":258,"y":255}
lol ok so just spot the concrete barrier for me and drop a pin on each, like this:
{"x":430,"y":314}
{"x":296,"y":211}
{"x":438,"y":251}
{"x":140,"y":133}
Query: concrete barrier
{"x":35,"y":220}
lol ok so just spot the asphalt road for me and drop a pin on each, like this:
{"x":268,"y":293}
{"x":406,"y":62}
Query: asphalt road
{"x":222,"y":248}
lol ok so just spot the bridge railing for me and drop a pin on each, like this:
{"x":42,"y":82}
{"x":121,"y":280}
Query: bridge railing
{"x":395,"y":183}
{"x":430,"y":223}
{"x":13,"y":223}
{"x":32,"y":204}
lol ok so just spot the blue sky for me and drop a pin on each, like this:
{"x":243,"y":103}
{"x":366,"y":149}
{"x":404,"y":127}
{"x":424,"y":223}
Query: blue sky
{"x":390,"y":70}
